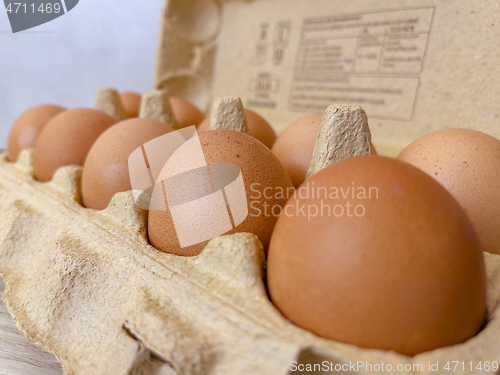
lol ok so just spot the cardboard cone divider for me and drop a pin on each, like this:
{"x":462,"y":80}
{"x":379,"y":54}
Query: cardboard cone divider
{"x":156,"y":105}
{"x":87,"y":286}
{"x":228,"y":113}
{"x":108,"y":101}
{"x":343,"y":133}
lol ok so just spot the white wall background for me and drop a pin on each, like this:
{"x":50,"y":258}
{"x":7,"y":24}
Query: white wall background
{"x":97,"y":44}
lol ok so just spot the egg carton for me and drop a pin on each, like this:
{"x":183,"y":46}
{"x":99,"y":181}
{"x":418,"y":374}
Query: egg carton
{"x":86,"y":285}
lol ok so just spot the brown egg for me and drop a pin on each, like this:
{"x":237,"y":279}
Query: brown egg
{"x":294,"y":147}
{"x":258,"y":128}
{"x":265,"y":184}
{"x":186,"y":114}
{"x":105,"y":171}
{"x":467,"y":163}
{"x":28,"y":126}
{"x":371,"y":251}
{"x":67,"y":139}
{"x":131,"y":102}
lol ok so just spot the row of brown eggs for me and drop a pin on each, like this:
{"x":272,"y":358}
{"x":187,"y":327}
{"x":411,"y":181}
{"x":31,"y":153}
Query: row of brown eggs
{"x":370,"y":251}
{"x":102,"y":145}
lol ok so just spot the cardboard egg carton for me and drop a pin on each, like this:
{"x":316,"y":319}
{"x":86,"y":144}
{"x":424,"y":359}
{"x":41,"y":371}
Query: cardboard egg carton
{"x":414,"y":65}
{"x":86,"y":285}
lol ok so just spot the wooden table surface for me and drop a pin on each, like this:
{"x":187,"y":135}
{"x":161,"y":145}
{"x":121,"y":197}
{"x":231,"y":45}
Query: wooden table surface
{"x":17,"y":355}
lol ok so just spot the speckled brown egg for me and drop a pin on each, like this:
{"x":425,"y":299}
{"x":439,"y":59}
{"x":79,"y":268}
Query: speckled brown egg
{"x":266,"y":185}
{"x":105,"y":171}
{"x":27,"y":128}
{"x":185,"y":113}
{"x":131,"y":103}
{"x":67,"y":139}
{"x":371,"y":251}
{"x":467,"y":163}
{"x":294,"y":147}
{"x":258,"y":128}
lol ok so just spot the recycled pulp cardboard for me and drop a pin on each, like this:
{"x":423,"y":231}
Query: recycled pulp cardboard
{"x":413,"y":65}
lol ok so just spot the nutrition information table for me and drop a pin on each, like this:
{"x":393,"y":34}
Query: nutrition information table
{"x":373,"y":59}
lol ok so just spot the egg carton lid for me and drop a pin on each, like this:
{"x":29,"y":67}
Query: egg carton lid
{"x":414,"y":66}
